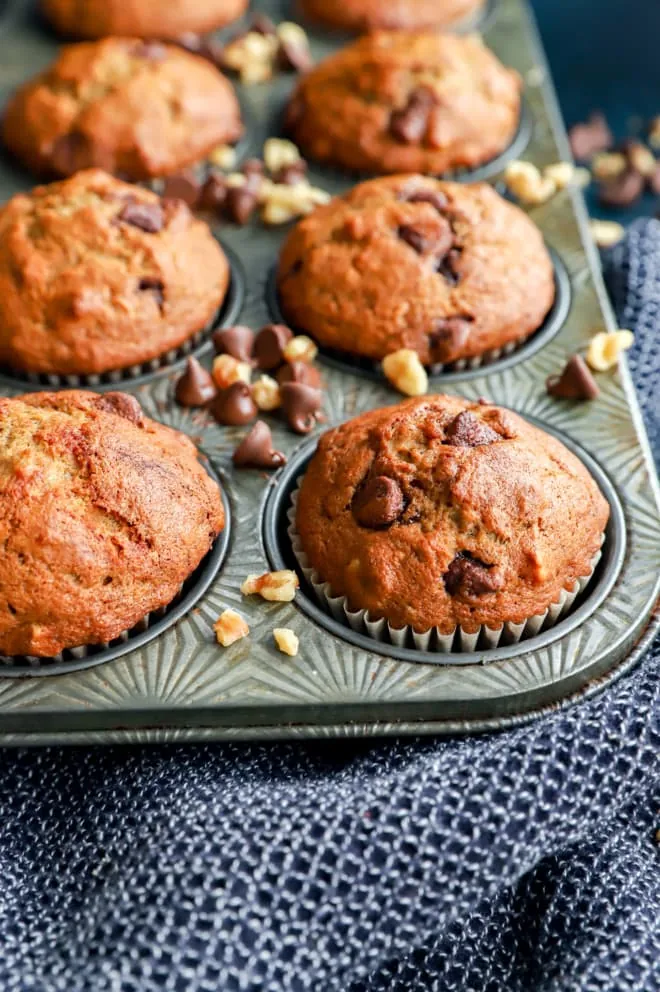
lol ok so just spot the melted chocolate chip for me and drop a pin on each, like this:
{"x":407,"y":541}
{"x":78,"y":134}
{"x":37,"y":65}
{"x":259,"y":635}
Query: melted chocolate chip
{"x":294,"y":57}
{"x":448,"y":266}
{"x":237,"y":341}
{"x":448,"y":338}
{"x":301,"y":404}
{"x":438,"y":243}
{"x":153,"y":51}
{"x":234,"y":406}
{"x":145,"y":216}
{"x":432,"y":196}
{"x":151,"y":284}
{"x":378,"y":503}
{"x":574,"y":383}
{"x":214,"y":192}
{"x":409,"y":124}
{"x":184,"y":186}
{"x":303,"y":372}
{"x":256,"y":449}
{"x":587,"y":139}
{"x":469,"y":576}
{"x":269,"y":345}
{"x":195,"y":387}
{"x":123,"y":405}
{"x":240,"y":204}
{"x":466,"y":431}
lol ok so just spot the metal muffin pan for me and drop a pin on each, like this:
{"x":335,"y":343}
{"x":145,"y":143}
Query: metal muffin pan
{"x":515,"y":351}
{"x":182,"y":686}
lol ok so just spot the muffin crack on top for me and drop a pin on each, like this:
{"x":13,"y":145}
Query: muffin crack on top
{"x":412,"y":262}
{"x":104,"y":514}
{"x":484,"y":516}
{"x":396,"y":101}
{"x":131,"y":107}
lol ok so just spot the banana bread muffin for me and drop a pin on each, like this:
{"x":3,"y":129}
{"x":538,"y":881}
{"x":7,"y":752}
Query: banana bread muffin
{"x":367,"y":15}
{"x":103,"y":514}
{"x":412,"y":262}
{"x":96,"y":274}
{"x":486,"y":518}
{"x":394,"y":101}
{"x":130,"y":107}
{"x":144,"y":18}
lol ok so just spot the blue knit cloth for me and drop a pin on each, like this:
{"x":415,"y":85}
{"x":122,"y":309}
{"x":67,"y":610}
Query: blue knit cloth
{"x":502,"y":863}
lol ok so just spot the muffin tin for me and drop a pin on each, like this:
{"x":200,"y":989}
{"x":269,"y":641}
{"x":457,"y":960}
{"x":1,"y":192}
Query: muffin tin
{"x":173,"y":682}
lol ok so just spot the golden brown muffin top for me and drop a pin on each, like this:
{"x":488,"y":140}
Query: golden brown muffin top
{"x":130,"y":107}
{"x":440,"y":512}
{"x":96,"y":274}
{"x":103,"y":514}
{"x":397,"y":101}
{"x":412,"y":262}
{"x":145,"y":18}
{"x":367,"y":15}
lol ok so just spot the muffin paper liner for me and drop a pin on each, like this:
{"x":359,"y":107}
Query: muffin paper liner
{"x":77,"y":654}
{"x":458,"y":640}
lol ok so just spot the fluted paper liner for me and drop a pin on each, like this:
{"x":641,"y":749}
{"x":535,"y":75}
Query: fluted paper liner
{"x":84,"y":651}
{"x":458,"y":640}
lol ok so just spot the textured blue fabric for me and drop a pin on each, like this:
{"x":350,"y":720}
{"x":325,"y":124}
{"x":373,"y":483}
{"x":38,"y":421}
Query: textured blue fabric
{"x":504,"y":863}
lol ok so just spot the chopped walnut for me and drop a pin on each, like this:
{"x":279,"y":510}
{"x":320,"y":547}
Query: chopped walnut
{"x":300,"y":349}
{"x":236,"y":179}
{"x":609,"y":165}
{"x":266,"y":393}
{"x":252,"y":56}
{"x":282,"y":203}
{"x":277,"y":587}
{"x":227,"y":370}
{"x":224,"y":157}
{"x":604,"y":349}
{"x":406,"y":373}
{"x":230,"y":627}
{"x":286,"y":641}
{"x":641,"y":159}
{"x":278,"y":153}
{"x":562,"y":174}
{"x":527,"y":184}
{"x":606,"y":232}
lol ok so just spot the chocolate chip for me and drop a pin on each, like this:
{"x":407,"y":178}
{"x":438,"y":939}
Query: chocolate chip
{"x":234,"y":406}
{"x":269,"y":345}
{"x":253,"y":167}
{"x":123,"y":405}
{"x":623,"y":190}
{"x":69,"y":153}
{"x":466,"y":431}
{"x":574,"y":383}
{"x":240,"y":204}
{"x":409,"y":124}
{"x":291,"y":175}
{"x":214,"y":192}
{"x":469,"y":576}
{"x":155,"y":286}
{"x":237,"y":341}
{"x":591,"y":137}
{"x":256,"y":449}
{"x":448,"y":266}
{"x":378,"y":503}
{"x":151,"y":50}
{"x":184,"y":186}
{"x":438,"y":243}
{"x":299,"y":372}
{"x":301,"y":404}
{"x":294,"y":57}
{"x":432,"y":196}
{"x":262,"y":24}
{"x":448,"y":338}
{"x":195,"y":387}
{"x":146,"y":216}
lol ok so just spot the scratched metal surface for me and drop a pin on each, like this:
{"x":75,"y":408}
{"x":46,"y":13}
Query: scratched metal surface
{"x":182,"y":686}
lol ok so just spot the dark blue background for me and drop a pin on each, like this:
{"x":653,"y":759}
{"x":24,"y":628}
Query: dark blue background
{"x":604,"y":54}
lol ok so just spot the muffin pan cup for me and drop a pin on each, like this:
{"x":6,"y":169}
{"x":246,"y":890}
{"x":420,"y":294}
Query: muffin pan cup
{"x":172,"y":681}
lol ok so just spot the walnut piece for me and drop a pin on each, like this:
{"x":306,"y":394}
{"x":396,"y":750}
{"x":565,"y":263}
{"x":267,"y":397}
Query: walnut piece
{"x":604,"y":349}
{"x":286,"y":641}
{"x":606,"y":232}
{"x":266,"y":393}
{"x":227,"y":370}
{"x":406,"y":373}
{"x":300,"y":349}
{"x":276,"y":587}
{"x":230,"y":627}
{"x":278,"y":153}
{"x":524,"y":180}
{"x":224,"y":157}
